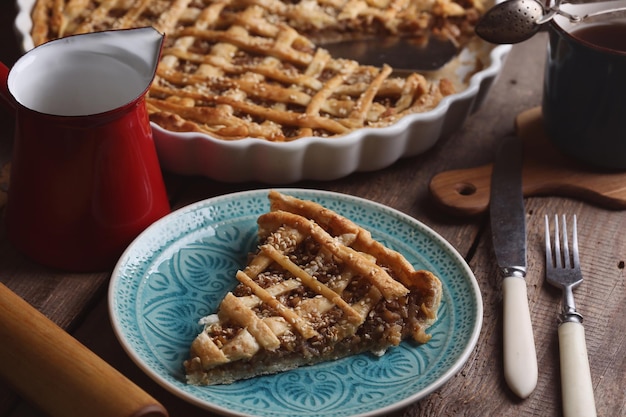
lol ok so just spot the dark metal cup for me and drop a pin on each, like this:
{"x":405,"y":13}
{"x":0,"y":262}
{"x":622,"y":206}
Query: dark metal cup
{"x":584,"y":98}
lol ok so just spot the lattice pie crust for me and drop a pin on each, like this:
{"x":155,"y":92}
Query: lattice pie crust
{"x":251,"y":68}
{"x":318,"y":289}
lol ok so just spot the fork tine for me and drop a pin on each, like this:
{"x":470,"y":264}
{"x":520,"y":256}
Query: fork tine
{"x":566,"y":259}
{"x":557,"y":243}
{"x":549,"y":261}
{"x":575,"y":244}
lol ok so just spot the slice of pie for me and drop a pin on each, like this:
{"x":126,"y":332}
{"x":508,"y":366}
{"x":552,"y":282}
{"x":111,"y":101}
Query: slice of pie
{"x":318,"y":289}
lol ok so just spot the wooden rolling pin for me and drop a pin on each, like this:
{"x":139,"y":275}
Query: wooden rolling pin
{"x":51,"y":369}
{"x":545,"y":172}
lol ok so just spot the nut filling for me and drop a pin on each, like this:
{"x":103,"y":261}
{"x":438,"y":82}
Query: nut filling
{"x":319,"y":288}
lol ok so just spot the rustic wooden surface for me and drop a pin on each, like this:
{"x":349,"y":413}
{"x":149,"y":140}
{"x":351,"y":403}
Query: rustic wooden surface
{"x":545,"y":172}
{"x":77,"y":302}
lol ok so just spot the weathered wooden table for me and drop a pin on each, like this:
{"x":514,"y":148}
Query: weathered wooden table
{"x":77,"y":302}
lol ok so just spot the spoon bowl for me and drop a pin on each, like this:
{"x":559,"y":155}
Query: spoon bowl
{"x":512,"y":21}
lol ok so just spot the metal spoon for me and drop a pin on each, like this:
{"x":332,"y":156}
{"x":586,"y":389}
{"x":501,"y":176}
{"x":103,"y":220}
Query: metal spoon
{"x":514,"y":21}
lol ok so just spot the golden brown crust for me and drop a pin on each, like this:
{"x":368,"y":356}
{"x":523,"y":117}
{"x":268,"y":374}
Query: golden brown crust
{"x":251,"y":68}
{"x":318,"y":288}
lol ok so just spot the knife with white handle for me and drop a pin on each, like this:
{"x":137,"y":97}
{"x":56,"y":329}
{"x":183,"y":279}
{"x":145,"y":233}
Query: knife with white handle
{"x":508,"y":228}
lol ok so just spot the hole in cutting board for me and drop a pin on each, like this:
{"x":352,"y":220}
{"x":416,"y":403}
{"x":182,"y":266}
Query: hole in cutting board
{"x":465,"y":188}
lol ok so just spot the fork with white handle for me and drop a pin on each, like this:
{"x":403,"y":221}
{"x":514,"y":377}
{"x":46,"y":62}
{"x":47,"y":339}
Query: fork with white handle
{"x":565,"y":273}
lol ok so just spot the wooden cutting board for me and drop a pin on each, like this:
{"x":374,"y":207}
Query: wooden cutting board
{"x":545,"y":172}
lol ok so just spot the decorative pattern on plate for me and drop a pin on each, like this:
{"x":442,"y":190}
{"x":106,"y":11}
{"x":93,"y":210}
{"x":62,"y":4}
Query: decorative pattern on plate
{"x":179,"y":269}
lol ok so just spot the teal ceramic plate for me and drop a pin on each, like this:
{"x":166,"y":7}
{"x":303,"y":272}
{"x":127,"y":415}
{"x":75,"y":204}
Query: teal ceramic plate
{"x":179,"y":269}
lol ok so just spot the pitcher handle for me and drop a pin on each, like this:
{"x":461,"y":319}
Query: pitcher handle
{"x":5,"y":96}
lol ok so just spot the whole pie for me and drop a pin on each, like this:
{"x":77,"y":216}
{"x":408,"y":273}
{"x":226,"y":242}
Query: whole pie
{"x":318,"y":289}
{"x":255,"y":68}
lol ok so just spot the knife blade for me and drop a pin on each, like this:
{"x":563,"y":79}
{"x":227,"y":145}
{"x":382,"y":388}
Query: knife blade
{"x":508,"y":228}
{"x":403,"y":54}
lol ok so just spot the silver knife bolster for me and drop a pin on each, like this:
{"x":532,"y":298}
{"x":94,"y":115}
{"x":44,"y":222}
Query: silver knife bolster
{"x":514,"y":271}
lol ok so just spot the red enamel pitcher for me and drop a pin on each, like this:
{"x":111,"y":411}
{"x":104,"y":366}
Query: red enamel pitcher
{"x":85,"y":178}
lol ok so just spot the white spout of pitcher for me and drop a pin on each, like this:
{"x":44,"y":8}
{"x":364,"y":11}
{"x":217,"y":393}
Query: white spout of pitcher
{"x":93,"y":73}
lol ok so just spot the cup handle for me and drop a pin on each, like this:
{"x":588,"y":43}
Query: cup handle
{"x":5,"y":96}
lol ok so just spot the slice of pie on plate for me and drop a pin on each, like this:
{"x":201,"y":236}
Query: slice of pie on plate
{"x":319,"y":288}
